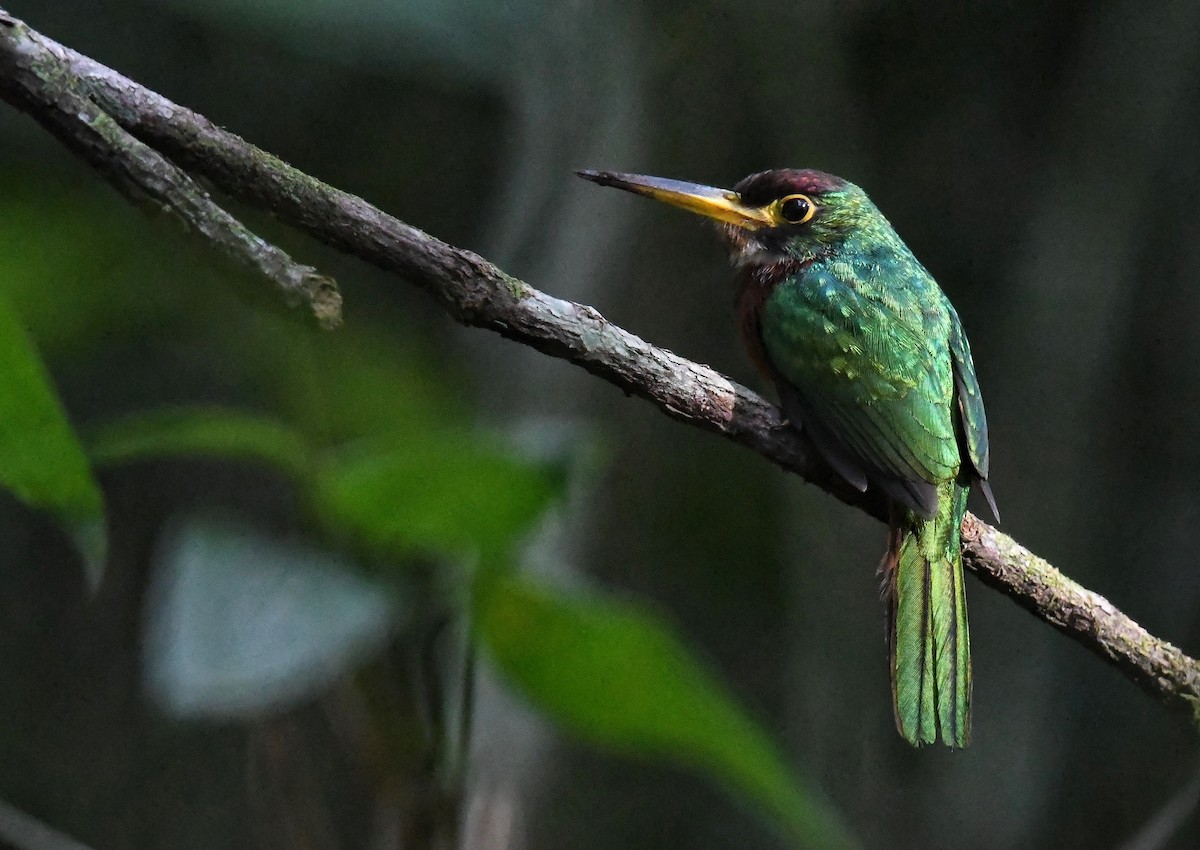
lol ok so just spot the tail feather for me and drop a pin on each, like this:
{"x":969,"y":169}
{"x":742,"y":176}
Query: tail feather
{"x":928,"y":640}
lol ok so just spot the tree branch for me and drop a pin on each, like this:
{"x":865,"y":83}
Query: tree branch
{"x":477,"y":293}
{"x":34,"y":78}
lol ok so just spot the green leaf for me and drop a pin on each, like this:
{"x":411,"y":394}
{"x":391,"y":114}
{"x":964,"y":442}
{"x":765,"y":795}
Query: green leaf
{"x":615,"y":675}
{"x":83,"y":271}
{"x":351,"y":385}
{"x":450,"y":494}
{"x":41,"y":460}
{"x":204,"y":431}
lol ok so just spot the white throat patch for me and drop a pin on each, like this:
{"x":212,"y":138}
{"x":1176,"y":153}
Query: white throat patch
{"x":751,"y":252}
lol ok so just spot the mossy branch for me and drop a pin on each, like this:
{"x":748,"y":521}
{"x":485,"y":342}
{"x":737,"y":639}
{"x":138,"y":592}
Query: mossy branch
{"x":94,"y":111}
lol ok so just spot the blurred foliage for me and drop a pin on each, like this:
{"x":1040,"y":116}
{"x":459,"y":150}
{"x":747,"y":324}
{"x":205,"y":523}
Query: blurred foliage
{"x":240,"y":625}
{"x":41,"y":461}
{"x":446,"y":493}
{"x":612,"y":673}
{"x":205,"y":431}
{"x":455,"y":494}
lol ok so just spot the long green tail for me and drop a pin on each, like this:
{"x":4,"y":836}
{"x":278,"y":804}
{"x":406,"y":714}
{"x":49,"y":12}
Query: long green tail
{"x":927,"y":630}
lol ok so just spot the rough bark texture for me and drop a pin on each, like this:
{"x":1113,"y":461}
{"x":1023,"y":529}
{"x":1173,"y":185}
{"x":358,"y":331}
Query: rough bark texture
{"x":1084,"y":615}
{"x":94,"y":110}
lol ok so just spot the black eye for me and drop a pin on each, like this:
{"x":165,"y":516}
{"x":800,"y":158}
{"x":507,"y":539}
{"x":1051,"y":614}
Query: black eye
{"x":796,"y":209}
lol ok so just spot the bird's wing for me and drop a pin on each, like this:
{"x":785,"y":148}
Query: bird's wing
{"x":970,"y":408}
{"x":970,"y":402}
{"x":870,"y":372}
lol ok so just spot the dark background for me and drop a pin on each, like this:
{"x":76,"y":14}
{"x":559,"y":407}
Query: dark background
{"x":1040,"y":158}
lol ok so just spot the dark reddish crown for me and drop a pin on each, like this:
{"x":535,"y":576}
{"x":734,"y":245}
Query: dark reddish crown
{"x":766,"y":186}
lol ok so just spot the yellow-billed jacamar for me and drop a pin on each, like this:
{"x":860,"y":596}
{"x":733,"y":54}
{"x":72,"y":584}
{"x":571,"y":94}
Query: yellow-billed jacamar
{"x":871,"y":363}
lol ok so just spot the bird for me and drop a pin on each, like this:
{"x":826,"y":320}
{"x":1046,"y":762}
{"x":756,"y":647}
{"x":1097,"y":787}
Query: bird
{"x":870,"y":362}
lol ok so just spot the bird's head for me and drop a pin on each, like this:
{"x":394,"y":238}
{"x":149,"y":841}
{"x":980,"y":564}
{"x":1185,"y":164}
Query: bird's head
{"x":767,"y":217}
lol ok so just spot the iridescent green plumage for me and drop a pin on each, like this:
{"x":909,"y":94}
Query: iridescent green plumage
{"x":929,"y":645}
{"x":871,"y":363}
{"x":870,"y":358}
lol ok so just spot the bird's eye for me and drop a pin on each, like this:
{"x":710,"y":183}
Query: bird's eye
{"x":796,"y":209}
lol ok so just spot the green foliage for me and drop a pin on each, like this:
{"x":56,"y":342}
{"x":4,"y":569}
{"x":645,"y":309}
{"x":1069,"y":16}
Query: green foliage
{"x":356,"y":383}
{"x":457,"y":495}
{"x":374,"y":435}
{"x":41,"y":460}
{"x":452,"y":494}
{"x":614,"y":674}
{"x":75,"y":269}
{"x":209,"y":432}
{"x":609,"y":672}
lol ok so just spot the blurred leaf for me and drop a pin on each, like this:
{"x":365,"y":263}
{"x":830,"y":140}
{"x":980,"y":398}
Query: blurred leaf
{"x":200,"y":431}
{"x":614,"y":674}
{"x":240,"y":623}
{"x":452,"y":494}
{"x":80,"y":268}
{"x":41,"y":460}
{"x":350,"y":384}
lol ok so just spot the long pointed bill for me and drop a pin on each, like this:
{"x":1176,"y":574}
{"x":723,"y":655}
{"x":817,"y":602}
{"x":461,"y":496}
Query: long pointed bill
{"x":709,"y":201}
